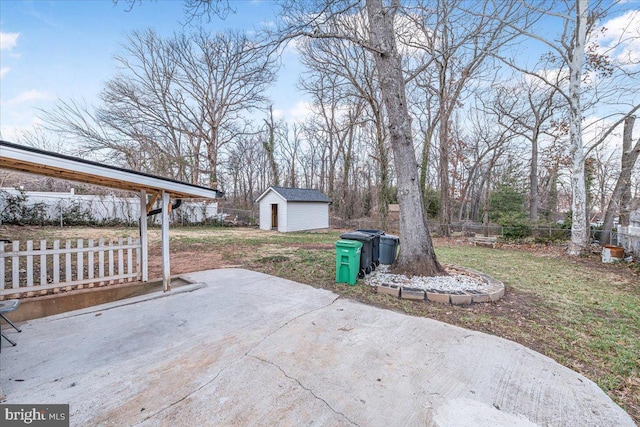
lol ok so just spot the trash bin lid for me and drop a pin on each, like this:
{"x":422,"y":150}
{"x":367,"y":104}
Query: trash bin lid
{"x":389,"y":238}
{"x":348,"y":244}
{"x":357,"y":235}
{"x":375,"y":232}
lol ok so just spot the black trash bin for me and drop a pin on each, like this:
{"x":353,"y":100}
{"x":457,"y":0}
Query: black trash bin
{"x":389,"y":248}
{"x":366,"y":252}
{"x":375,"y":253}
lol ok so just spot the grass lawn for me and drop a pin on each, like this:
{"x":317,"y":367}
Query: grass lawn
{"x":579,"y":312}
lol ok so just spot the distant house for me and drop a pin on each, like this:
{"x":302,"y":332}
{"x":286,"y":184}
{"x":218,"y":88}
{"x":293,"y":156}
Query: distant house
{"x":293,"y":209}
{"x":629,"y":237}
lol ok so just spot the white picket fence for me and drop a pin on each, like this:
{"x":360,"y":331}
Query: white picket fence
{"x":25,"y":269}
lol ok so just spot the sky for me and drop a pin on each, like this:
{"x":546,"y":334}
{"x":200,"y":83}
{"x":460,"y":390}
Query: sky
{"x":65,"y":49}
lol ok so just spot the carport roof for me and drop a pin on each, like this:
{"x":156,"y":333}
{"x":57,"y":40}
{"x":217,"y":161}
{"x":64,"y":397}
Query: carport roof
{"x":32,"y":160}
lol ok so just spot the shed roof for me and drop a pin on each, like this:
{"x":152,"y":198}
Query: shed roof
{"x":298,"y":194}
{"x":36,"y":161}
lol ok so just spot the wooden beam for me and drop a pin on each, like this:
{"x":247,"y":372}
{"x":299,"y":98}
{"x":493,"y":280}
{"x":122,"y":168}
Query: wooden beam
{"x":166,"y":265}
{"x":144,"y":245}
{"x":153,"y":201}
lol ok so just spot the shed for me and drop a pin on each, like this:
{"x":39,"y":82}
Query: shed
{"x":293,"y":209}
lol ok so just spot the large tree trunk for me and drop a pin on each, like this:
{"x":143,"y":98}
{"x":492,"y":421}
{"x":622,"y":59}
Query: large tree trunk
{"x":424,"y":164}
{"x":622,"y":192}
{"x":445,"y":125}
{"x":383,"y":187}
{"x":552,"y":193}
{"x":212,"y":157}
{"x":270,"y":148}
{"x":485,"y":206}
{"x":533,"y":178}
{"x":416,"y":255}
{"x":579,"y":225}
{"x":443,"y":175}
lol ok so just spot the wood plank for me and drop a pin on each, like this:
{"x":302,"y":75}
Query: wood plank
{"x":62,"y":251}
{"x":129,"y":257}
{"x":143,"y":254}
{"x":90,"y":259}
{"x":154,"y":199}
{"x":2,"y":261}
{"x":15,"y":266}
{"x":138,"y":265}
{"x":111,"y":261}
{"x":67,"y":262}
{"x":29,"y":263}
{"x":56,"y":262}
{"x":166,"y":265}
{"x":120,"y":257}
{"x":101,"y":258}
{"x":61,"y":285}
{"x":43,"y":262}
{"x":80,"y":260}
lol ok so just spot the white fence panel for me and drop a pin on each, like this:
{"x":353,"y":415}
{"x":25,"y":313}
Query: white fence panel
{"x":110,"y":207}
{"x":22,"y":265}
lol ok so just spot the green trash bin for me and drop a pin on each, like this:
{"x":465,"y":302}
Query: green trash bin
{"x":347,"y":261}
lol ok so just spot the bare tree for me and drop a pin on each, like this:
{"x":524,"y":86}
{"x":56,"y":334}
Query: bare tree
{"x":247,"y":161}
{"x":227,"y":74}
{"x":581,"y":60}
{"x":621,"y":198}
{"x":358,"y":80}
{"x":291,"y":148}
{"x":485,"y":145}
{"x":417,"y":254}
{"x":324,"y":20}
{"x":604,"y":171}
{"x":457,"y":42}
{"x":269,"y":144}
{"x":175,"y":105}
{"x":527,"y":108}
{"x":330,"y":129}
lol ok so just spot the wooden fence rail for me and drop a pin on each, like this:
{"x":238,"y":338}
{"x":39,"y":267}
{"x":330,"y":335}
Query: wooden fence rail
{"x":24,"y":269}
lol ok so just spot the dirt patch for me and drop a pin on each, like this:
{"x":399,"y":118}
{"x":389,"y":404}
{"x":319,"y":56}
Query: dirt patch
{"x":312,"y":246}
{"x":183,"y":261}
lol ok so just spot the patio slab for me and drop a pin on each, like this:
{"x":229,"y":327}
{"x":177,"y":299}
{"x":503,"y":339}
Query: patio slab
{"x":245,"y":348}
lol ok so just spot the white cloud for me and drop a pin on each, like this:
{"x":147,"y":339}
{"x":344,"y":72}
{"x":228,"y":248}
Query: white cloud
{"x":300,"y":111}
{"x":3,"y":71}
{"x":412,"y":38}
{"x":278,"y":114}
{"x":621,"y":37}
{"x":8,"y":40}
{"x":15,"y":133}
{"x":29,"y":96}
{"x":556,"y":76}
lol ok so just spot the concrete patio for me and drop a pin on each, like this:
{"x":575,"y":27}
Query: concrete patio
{"x":243,"y":348}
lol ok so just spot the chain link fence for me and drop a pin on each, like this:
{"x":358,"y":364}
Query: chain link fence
{"x":468,"y":229}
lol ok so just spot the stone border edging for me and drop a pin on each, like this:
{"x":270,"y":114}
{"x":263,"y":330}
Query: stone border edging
{"x":493,"y":293}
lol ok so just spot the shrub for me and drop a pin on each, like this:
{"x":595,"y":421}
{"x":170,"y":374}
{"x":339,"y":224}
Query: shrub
{"x":75,"y":214}
{"x":515,"y":226}
{"x":17,"y":211}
